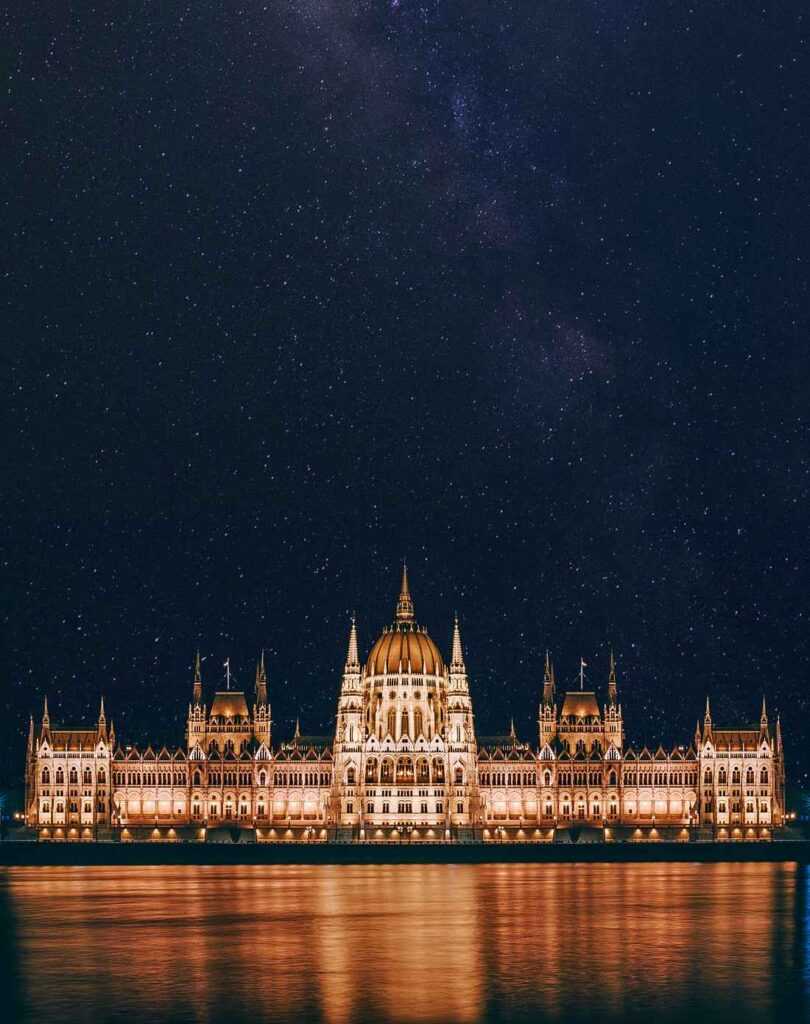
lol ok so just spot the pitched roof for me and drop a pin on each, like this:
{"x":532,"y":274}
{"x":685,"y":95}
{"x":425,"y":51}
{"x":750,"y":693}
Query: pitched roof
{"x":229,"y":704}
{"x":73,"y":739}
{"x":580,"y":704}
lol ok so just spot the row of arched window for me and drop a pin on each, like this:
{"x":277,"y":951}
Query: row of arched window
{"x":722,"y":776}
{"x":87,"y":776}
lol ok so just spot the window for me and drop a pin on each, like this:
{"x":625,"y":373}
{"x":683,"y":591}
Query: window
{"x":350,"y":776}
{"x":369,"y":808}
{"x":350,"y":808}
{"x":460,"y":807}
{"x":763,"y":777}
{"x":74,"y":776}
{"x":440,"y":808}
{"x":424,"y":808}
{"x":386,"y":808}
{"x":459,"y":776}
{"x":262,"y":778}
{"x":46,"y":776}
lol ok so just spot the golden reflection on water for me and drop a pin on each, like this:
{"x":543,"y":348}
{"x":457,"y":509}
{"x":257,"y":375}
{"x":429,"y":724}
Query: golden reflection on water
{"x":407,"y":943}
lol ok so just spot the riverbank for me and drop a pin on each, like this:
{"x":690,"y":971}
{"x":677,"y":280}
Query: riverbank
{"x":32,"y":854}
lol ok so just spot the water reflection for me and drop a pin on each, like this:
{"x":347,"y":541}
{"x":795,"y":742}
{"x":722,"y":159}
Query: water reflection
{"x":406,"y":943}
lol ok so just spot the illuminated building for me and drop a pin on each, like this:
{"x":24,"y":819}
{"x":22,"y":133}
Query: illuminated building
{"x":405,"y":764}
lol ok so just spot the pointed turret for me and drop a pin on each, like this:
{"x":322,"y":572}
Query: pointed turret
{"x":707,"y":721}
{"x":512,"y":730}
{"x":31,"y":734}
{"x":697,"y":735}
{"x":763,"y":715}
{"x":352,"y":655}
{"x":197,"y":679}
{"x":405,"y":603}
{"x":548,"y":682}
{"x":112,"y":734}
{"x":297,"y":733}
{"x":457,"y":658}
{"x":46,"y":720}
{"x":102,"y":722}
{"x":261,"y":682}
{"x":778,"y":734}
{"x":612,"y":688}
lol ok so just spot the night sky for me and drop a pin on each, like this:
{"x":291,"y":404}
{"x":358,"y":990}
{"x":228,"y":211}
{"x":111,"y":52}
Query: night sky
{"x":516,"y":290}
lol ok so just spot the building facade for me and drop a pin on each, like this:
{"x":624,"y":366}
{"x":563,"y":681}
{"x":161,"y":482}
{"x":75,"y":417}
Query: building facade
{"x":405,"y":763}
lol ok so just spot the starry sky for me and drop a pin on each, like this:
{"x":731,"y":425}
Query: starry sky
{"x":515,"y":290}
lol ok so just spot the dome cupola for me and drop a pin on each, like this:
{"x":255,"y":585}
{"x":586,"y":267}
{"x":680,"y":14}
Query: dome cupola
{"x":405,"y":646}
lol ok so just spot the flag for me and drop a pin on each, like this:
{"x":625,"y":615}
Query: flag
{"x":583,"y":663}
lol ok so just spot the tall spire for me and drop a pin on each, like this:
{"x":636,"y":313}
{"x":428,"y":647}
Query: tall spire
{"x":352,"y":655}
{"x":197,"y":679}
{"x":46,"y":719}
{"x":707,"y":720}
{"x":778,"y":734}
{"x":763,"y":718}
{"x":261,"y":681}
{"x":457,"y":658}
{"x":512,"y":731}
{"x":548,"y":681}
{"x":297,"y":734}
{"x":30,"y":734}
{"x":405,"y":603}
{"x":612,"y":688}
{"x":102,"y":721}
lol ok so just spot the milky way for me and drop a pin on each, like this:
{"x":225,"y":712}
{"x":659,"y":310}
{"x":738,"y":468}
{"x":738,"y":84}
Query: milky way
{"x":514,"y":290}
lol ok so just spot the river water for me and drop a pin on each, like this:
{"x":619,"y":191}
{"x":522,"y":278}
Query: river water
{"x":402,"y":943}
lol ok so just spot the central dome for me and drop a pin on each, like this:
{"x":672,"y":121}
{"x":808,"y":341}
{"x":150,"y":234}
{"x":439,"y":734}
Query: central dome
{"x":405,"y":646}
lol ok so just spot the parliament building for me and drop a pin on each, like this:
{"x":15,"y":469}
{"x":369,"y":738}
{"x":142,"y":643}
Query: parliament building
{"x":405,"y":765}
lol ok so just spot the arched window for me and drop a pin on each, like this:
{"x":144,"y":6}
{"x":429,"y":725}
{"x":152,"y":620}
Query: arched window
{"x":547,"y":779}
{"x":350,"y":775}
{"x":46,"y":776}
{"x":763,"y":777}
{"x":387,"y":774}
{"x":60,"y":776}
{"x":371,"y":770}
{"x":459,"y":776}
{"x":87,"y":778}
{"x":418,"y":728}
{"x":197,"y":777}
{"x":749,"y":776}
{"x":423,"y":770}
{"x":74,"y":776}
{"x":735,"y":777}
{"x":612,"y":778}
{"x":102,"y":776}
{"x":262,"y":778}
{"x":722,"y":777}
{"x":707,"y":777}
{"x":403,"y":724}
{"x":392,"y":723}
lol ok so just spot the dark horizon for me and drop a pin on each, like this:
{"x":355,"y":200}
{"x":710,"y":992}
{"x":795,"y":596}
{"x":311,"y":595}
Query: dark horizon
{"x":515,"y":292}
